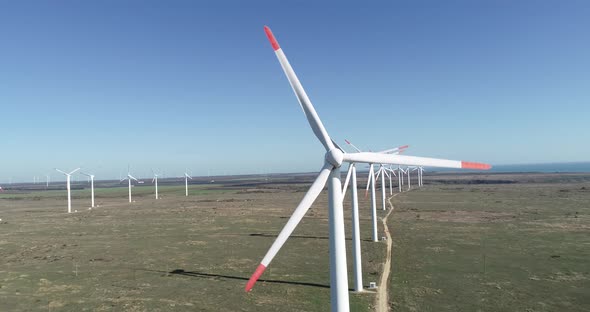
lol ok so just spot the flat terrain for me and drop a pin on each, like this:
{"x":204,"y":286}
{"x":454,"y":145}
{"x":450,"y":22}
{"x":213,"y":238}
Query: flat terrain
{"x":520,"y":246}
{"x":460,"y":243}
{"x":176,"y":253}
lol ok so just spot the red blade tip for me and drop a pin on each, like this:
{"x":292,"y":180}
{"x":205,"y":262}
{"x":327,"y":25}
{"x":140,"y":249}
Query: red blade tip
{"x":474,"y":165}
{"x":271,"y":38}
{"x":402,"y":147}
{"x":347,"y":142}
{"x":259,"y":270}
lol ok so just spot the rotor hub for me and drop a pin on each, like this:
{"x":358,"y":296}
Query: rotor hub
{"x":335,"y":157}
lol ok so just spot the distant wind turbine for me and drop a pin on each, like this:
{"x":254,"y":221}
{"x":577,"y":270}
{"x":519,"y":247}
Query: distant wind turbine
{"x":68,"y":176}
{"x":91,"y":177}
{"x":155,"y":180}
{"x":186,"y":177}
{"x":129,"y":178}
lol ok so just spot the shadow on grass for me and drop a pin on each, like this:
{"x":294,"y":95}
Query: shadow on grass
{"x":302,"y":236}
{"x":211,"y":275}
{"x":217,"y":276}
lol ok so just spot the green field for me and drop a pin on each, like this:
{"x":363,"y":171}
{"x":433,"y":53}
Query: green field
{"x":457,"y":247}
{"x":513,"y":247}
{"x":176,"y":253}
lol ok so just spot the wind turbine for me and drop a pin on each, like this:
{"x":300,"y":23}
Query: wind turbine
{"x":356,"y":232}
{"x":330,"y":174}
{"x":383,"y":173}
{"x":186,"y":177}
{"x":129,"y":178}
{"x":371,"y":184}
{"x":392,"y":172}
{"x":401,"y":173}
{"x":68,"y":176}
{"x":420,"y":176}
{"x":91,"y":177}
{"x":356,"y":241}
{"x":47,"y":181}
{"x":356,"y":245}
{"x":155,"y":180}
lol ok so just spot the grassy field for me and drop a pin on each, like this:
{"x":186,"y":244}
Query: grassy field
{"x":502,"y":247}
{"x":461,"y":246}
{"x":176,"y":253}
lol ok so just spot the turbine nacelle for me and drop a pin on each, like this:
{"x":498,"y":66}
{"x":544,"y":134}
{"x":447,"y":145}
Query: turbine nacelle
{"x":335,"y":157}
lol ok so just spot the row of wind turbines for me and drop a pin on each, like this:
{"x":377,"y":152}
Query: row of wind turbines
{"x":330,"y":174}
{"x":129,"y":178}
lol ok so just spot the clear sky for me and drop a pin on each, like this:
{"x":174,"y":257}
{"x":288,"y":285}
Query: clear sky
{"x":179,"y":84}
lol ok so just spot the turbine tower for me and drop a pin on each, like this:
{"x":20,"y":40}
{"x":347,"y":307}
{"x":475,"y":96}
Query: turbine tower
{"x":409,"y":181}
{"x":155,"y":181}
{"x":68,"y":177}
{"x":356,"y":232}
{"x":330,"y":174}
{"x":91,"y":177}
{"x":381,"y":172}
{"x":186,"y":177}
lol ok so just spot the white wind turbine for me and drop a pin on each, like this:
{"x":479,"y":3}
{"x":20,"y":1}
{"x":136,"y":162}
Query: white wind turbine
{"x":155,"y":181}
{"x":129,"y":178}
{"x":330,"y":174}
{"x":68,"y":177}
{"x":420,"y":175}
{"x":356,"y":241}
{"x":409,"y":179}
{"x":356,"y":235}
{"x":401,"y":173}
{"x":186,"y":177}
{"x":391,"y":173}
{"x":382,"y":172}
{"x":91,"y":177}
{"x":371,"y":183}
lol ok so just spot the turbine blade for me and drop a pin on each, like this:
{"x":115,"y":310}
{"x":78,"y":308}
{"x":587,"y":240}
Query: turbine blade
{"x":74,"y":170}
{"x":347,"y":179}
{"x":337,"y":146}
{"x":60,"y":171}
{"x":352,"y":145}
{"x":313,"y":192}
{"x":412,"y":161}
{"x":312,"y":116}
{"x":371,"y":176}
{"x":398,"y":149}
{"x":386,"y":173}
{"x":131,"y":177}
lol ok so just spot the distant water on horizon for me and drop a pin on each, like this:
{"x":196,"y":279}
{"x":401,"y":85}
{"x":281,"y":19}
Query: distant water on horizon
{"x":574,"y":167}
{"x":548,"y":167}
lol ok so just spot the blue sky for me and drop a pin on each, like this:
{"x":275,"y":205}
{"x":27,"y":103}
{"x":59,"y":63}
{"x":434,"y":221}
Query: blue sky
{"x":179,"y":84}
